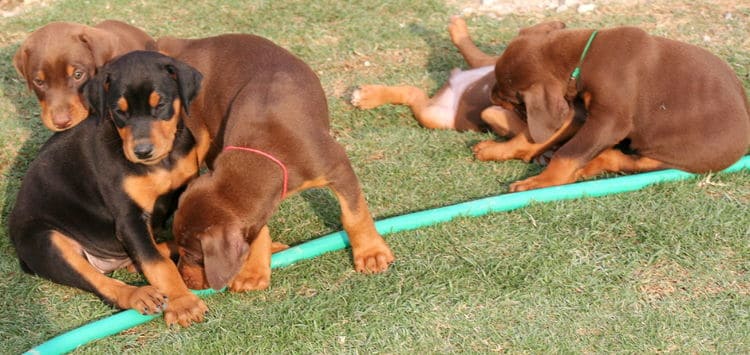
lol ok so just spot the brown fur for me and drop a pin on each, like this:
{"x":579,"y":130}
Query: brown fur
{"x":674,"y":104}
{"x":257,"y":95}
{"x":56,"y":59}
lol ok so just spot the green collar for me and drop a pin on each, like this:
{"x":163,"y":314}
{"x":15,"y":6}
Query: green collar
{"x":577,"y":71}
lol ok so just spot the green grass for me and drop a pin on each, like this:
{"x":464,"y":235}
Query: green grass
{"x":663,"y":269}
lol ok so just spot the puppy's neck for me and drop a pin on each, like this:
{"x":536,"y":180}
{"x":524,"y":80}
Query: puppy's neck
{"x":563,"y":51}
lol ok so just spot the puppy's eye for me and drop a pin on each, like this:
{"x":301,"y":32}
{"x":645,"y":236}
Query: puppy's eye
{"x":38,"y":82}
{"x":79,"y":75}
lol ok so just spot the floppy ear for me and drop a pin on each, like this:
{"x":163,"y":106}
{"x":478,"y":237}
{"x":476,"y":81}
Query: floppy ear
{"x":94,"y":91}
{"x":546,"y":110}
{"x":224,"y":253}
{"x":188,"y":81}
{"x":102,"y":44}
{"x":542,"y":28}
{"x":20,"y":62}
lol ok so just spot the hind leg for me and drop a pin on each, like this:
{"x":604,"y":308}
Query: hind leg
{"x":614,"y":160}
{"x":60,"y":259}
{"x":460,"y":37}
{"x":427,"y":113}
{"x":370,"y":252}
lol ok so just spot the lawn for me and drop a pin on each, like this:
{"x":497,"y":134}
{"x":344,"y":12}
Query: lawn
{"x":664,"y":269}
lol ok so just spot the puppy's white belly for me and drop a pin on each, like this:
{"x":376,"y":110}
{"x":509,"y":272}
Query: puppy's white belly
{"x":444,"y":104}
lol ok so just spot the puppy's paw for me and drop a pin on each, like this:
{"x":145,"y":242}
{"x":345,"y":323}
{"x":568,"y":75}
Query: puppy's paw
{"x":373,"y":258}
{"x":539,"y":181}
{"x":184,"y":310}
{"x":367,"y":96}
{"x":276,"y":246}
{"x":147,"y":300}
{"x":490,"y":150}
{"x":251,"y":281}
{"x":458,"y":30}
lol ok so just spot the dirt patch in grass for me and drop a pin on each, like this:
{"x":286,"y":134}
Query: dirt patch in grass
{"x":506,"y":7}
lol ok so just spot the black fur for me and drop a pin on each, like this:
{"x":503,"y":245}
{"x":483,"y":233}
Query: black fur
{"x":75,"y":184}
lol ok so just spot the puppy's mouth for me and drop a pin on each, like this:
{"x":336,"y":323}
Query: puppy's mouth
{"x":153,"y":159}
{"x":193,"y":275}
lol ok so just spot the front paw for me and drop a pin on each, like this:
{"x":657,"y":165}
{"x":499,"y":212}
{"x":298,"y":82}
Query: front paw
{"x":490,"y":150}
{"x":147,"y":300}
{"x":251,"y":280}
{"x":185,"y":310}
{"x":372,"y":259}
{"x":537,"y":182}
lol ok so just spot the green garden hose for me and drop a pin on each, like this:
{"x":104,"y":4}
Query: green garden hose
{"x":336,"y":241}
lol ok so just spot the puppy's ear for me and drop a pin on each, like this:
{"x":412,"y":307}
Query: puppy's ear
{"x":546,"y":110}
{"x":20,"y":62}
{"x":94,"y":91}
{"x":224,"y":251}
{"x":102,"y":44}
{"x":542,"y":28}
{"x":188,"y":81}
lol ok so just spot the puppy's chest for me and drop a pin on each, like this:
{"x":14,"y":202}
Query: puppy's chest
{"x":145,"y":189}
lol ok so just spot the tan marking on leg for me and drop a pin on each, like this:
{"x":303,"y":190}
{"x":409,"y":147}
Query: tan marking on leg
{"x":371,"y":96}
{"x":183,"y":306}
{"x":168,"y":249}
{"x":559,"y":171}
{"x":615,"y":161}
{"x":146,"y":299}
{"x":256,"y":271}
{"x":310,"y":184}
{"x":371,"y":253}
{"x":460,"y":37}
{"x":522,"y":146}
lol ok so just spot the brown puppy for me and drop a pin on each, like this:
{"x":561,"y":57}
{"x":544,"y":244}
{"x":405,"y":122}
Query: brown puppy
{"x":675,"y":105}
{"x":261,"y":123}
{"x":59,"y":57}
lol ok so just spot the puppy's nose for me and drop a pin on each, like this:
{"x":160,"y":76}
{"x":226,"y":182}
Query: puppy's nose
{"x":143,"y":150}
{"x":61,"y":120}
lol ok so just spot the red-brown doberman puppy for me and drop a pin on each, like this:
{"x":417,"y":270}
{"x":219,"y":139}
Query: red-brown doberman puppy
{"x":261,"y":124}
{"x":56,"y":59}
{"x":672,"y":104}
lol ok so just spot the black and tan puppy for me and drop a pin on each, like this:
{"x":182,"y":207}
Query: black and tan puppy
{"x":90,"y":199}
{"x":262,"y":122}
{"x":673,"y":104}
{"x":58,"y":58}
